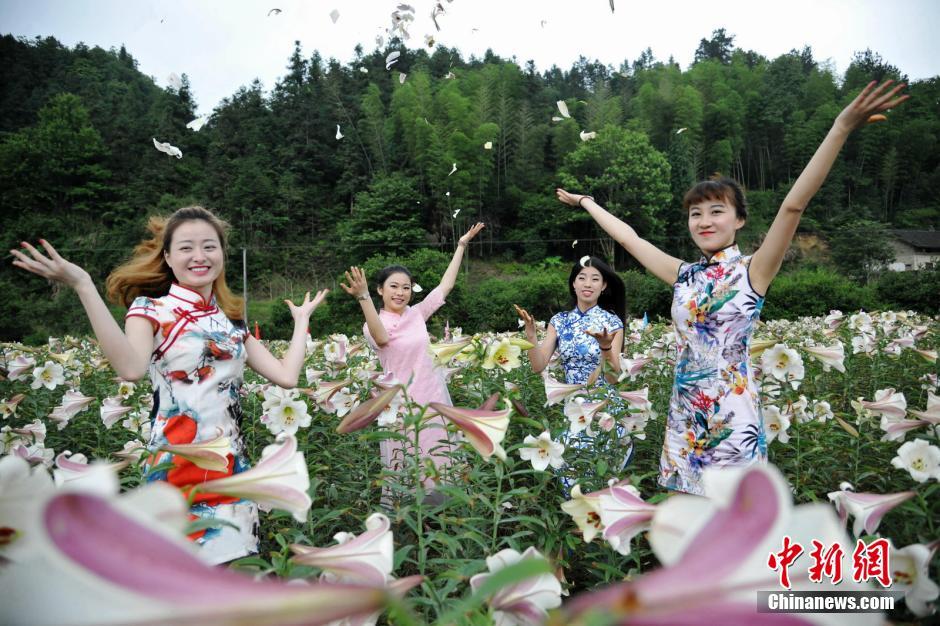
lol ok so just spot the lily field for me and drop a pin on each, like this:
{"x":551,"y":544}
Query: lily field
{"x":852,"y":421}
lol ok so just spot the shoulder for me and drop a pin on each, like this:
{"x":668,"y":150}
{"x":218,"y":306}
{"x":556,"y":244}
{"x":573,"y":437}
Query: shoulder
{"x":611,"y":321}
{"x":559,"y":319}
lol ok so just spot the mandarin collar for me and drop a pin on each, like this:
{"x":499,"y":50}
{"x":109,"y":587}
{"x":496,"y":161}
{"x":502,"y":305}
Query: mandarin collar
{"x":580,"y":314}
{"x":725,"y":254}
{"x":191,"y":296}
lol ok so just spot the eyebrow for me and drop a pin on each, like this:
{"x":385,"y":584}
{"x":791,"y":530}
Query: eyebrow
{"x":210,"y":240}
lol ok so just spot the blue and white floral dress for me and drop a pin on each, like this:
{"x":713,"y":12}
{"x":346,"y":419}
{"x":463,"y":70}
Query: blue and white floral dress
{"x":714,"y":413}
{"x":580,"y":354}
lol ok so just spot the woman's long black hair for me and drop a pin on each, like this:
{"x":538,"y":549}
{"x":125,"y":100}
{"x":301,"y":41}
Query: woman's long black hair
{"x":614,"y":297}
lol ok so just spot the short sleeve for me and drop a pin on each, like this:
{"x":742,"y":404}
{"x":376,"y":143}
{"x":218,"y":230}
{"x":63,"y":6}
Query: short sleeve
{"x":143,"y":307}
{"x":613,"y":322}
{"x":368,"y":337}
{"x":431,"y":303}
{"x":556,"y":321}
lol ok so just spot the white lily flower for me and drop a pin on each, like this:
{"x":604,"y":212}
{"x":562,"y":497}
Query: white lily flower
{"x":542,"y":451}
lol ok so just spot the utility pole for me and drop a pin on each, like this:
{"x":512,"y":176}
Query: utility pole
{"x":245,"y":284}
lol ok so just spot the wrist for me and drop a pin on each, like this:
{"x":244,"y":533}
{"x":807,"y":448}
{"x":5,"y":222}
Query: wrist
{"x":461,"y":242}
{"x":607,"y":349}
{"x":582,"y":198}
{"x":362,"y":297}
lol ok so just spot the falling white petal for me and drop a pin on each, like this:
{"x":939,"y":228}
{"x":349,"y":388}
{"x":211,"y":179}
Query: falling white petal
{"x":450,"y":75}
{"x":555,"y":118}
{"x":166,"y":148}
{"x":274,"y":11}
{"x":453,"y":169}
{"x":584,"y":260}
{"x":563,"y":108}
{"x":574,"y":243}
{"x":401,"y":78}
{"x":391,"y":59}
{"x":455,"y":213}
{"x":364,"y":70}
{"x":681,"y":130}
{"x":447,"y":194}
{"x":488,"y":145}
{"x":379,"y":41}
{"x":339,"y":135}
{"x":586,"y":136}
{"x":415,"y":287}
{"x":334,"y":15}
{"x":198,"y":123}
{"x":174,"y":81}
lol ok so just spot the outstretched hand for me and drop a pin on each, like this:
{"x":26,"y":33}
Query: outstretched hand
{"x":358,"y":286}
{"x":306,"y":308}
{"x":476,"y":228}
{"x":571,"y":199}
{"x":529,"y":322}
{"x":53,"y":267}
{"x":871,"y":101}
{"x":604,"y":338}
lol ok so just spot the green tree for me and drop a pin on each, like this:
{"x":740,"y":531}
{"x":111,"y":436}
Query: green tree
{"x":860,"y":248}
{"x":384,"y":219}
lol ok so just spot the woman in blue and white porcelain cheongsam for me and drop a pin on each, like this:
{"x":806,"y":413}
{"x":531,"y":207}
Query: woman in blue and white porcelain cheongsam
{"x":591,"y":331}
{"x":714,"y":414}
{"x":185,"y":328}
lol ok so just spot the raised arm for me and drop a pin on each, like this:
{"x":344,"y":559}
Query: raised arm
{"x":358,"y":288}
{"x":541,"y":353}
{"x":284,"y":372}
{"x":450,"y":276}
{"x":661,"y":265}
{"x":767,"y":260}
{"x":129,"y":353}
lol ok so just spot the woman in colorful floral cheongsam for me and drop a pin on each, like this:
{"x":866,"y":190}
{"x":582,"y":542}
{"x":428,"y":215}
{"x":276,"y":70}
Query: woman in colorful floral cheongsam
{"x":714,"y":414}
{"x":185,"y":327}
{"x":592,"y":330}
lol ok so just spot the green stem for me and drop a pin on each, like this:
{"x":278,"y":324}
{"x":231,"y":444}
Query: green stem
{"x":497,"y":505}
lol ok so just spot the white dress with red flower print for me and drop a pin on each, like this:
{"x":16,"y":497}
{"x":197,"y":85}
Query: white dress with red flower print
{"x":196,"y":371}
{"x":714,"y":413}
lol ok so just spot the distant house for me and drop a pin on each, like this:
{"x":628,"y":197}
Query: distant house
{"x":914,"y":248}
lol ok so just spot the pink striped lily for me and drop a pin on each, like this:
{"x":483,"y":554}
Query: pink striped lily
{"x":624,"y":515}
{"x":278,"y":481}
{"x":631,"y":367}
{"x":73,"y":402}
{"x":928,"y":355}
{"x":368,"y":411}
{"x":910,"y":573}
{"x":209,"y":455}
{"x":23,"y":489}
{"x":324,"y":392}
{"x":8,"y":407}
{"x":830,"y":356}
{"x":73,"y":470}
{"x":20,"y":367}
{"x":525,"y":602}
{"x":366,"y":559}
{"x":484,"y":429}
{"x":585,"y":510}
{"x":895,"y":429}
{"x":97,"y":564}
{"x":556,"y":392}
{"x":638,"y":399}
{"x":866,"y":508}
{"x":887,"y":403}
{"x":34,"y":432}
{"x":932,"y":412}
{"x":714,"y":553}
{"x":443,"y":352}
{"x":580,"y":412}
{"x":111,"y":410}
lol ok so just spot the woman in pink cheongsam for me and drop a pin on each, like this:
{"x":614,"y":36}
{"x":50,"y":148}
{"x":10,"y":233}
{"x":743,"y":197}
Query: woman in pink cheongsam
{"x":399,"y":335}
{"x":714,"y":414}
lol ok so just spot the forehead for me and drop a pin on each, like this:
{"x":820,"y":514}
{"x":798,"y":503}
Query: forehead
{"x":399,"y":278}
{"x":195,"y":230}
{"x":590,"y":272}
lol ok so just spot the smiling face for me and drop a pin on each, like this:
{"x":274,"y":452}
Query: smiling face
{"x":396,"y":292}
{"x":713,"y":224}
{"x":195,"y":256}
{"x":588,"y":285}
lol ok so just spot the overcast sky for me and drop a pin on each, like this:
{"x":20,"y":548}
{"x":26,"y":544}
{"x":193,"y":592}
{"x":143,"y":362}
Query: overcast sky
{"x":224,"y":44}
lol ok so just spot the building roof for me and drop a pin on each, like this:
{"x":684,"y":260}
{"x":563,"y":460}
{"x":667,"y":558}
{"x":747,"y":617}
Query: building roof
{"x":926,"y":239}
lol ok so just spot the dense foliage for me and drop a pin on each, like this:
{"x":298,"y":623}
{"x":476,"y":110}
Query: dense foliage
{"x":77,"y":165}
